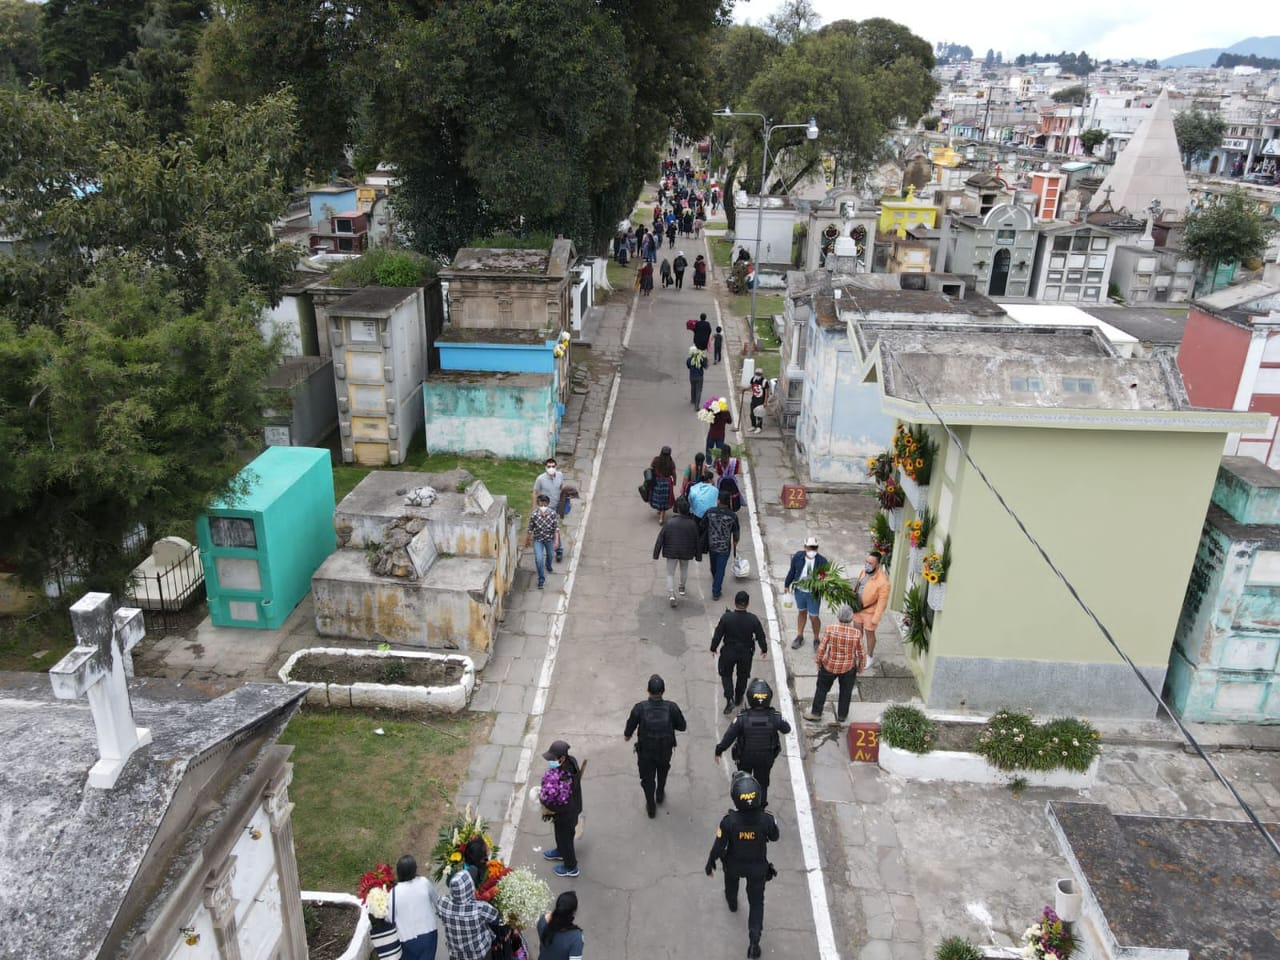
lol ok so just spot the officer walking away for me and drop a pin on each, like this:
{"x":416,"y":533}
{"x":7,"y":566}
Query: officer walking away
{"x":657,"y":721}
{"x":741,"y":846}
{"x":754,"y":736}
{"x":739,"y":631}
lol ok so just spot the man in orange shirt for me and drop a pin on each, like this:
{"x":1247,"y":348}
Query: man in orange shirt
{"x":872,"y":588}
{"x":840,"y":655}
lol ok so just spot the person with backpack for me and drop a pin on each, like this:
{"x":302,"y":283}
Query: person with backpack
{"x":740,"y":632}
{"x":754,"y":735}
{"x":742,"y":848}
{"x":656,"y":720}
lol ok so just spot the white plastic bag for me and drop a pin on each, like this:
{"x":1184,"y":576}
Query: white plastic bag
{"x":741,"y":567}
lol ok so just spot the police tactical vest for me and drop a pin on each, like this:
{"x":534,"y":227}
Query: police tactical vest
{"x":760,"y":742}
{"x":656,"y":728}
{"x":747,"y":840}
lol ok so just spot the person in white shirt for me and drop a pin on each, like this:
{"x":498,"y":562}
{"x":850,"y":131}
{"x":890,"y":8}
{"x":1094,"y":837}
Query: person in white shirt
{"x":413,"y":910}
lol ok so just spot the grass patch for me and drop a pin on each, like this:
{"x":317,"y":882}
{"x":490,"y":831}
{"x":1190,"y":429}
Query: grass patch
{"x":621,"y":278}
{"x":512,"y":478}
{"x":766,"y":304}
{"x":361,"y":799}
{"x":769,"y":363}
{"x":765,"y":336}
{"x":721,"y":251}
{"x":47,"y":633}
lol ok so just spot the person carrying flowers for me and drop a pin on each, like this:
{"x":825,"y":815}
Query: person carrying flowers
{"x":561,"y":796}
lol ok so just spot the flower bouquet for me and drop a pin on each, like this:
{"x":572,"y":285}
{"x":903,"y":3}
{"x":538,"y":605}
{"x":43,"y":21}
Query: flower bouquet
{"x":829,"y":584}
{"x":697,"y":358}
{"x":891,"y":496}
{"x":521,"y":898}
{"x":913,"y":453}
{"x":452,"y":840}
{"x":555,"y":792}
{"x":712,"y":407}
{"x":488,"y":887}
{"x":1047,"y":937}
{"x":375,"y":893}
{"x":880,"y":467}
{"x":934,"y":571}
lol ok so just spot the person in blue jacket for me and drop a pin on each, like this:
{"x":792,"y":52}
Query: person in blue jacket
{"x":808,"y":607}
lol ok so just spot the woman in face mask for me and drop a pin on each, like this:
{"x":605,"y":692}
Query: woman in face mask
{"x":808,"y":607}
{"x":565,"y":819}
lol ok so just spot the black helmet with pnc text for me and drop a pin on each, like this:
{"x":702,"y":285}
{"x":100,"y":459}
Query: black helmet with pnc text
{"x":759,"y":694}
{"x":745,"y":791}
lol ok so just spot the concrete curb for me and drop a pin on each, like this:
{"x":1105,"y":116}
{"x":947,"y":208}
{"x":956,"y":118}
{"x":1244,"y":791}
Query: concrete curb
{"x":451,"y":698}
{"x":359,"y":947}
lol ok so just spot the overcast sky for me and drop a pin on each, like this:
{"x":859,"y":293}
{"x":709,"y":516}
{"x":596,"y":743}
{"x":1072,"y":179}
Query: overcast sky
{"x":1115,"y":29}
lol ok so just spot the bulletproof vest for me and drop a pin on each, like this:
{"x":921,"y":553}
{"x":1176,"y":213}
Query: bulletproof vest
{"x":655,"y":724}
{"x":747,"y":841}
{"x":759,"y":736}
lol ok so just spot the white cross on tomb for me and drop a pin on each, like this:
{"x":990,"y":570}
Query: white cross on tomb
{"x":99,"y":666}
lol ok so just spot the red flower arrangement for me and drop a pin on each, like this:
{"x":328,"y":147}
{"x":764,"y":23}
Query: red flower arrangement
{"x":488,"y":888}
{"x":891,"y":495}
{"x":382,"y":877}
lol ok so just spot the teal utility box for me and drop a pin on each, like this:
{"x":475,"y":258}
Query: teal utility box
{"x":260,"y":551}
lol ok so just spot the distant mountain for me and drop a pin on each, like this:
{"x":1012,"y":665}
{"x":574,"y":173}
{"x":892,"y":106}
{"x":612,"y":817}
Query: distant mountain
{"x":1262,"y":46}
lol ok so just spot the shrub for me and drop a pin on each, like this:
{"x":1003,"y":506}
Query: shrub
{"x":907,"y":728}
{"x":388,"y":268}
{"x":1013,"y":741}
{"x":914,"y":633}
{"x":957,"y":948}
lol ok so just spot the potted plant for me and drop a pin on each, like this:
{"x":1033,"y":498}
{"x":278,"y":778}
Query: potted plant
{"x":882,"y":537}
{"x":829,"y":585}
{"x":891,"y":497}
{"x":913,"y":454}
{"x":957,"y":948}
{"x":914,"y":634}
{"x":907,"y":728}
{"x":1047,"y":938}
{"x":918,"y":531}
{"x":934,"y":570}
{"x":880,"y":467}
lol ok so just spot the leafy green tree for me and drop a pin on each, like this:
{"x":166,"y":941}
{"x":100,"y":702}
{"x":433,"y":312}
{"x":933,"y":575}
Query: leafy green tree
{"x":81,"y":38}
{"x":1229,"y":230}
{"x":85,"y":178}
{"x":931,"y":122}
{"x":1093,"y":138}
{"x":155,"y":76}
{"x":1077,"y":94}
{"x":19,"y":42}
{"x":792,"y":20}
{"x":135,"y":410}
{"x":1198,"y":133}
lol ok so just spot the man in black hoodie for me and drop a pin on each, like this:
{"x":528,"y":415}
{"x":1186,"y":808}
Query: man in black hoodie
{"x":680,"y":541}
{"x":701,"y":332}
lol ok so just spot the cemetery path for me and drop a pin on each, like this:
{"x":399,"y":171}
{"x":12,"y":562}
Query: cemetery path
{"x":643,"y":891}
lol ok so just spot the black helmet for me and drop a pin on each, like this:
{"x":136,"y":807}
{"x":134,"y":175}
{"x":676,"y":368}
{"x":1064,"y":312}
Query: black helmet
{"x":745,"y":791}
{"x":657,"y":685}
{"x":759,"y":694}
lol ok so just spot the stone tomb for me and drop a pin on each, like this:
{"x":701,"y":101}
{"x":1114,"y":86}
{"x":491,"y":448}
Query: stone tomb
{"x":1169,"y":888}
{"x":444,"y":567}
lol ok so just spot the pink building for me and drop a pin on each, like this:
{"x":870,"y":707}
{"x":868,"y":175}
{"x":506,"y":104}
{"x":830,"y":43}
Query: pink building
{"x":1230,"y":360}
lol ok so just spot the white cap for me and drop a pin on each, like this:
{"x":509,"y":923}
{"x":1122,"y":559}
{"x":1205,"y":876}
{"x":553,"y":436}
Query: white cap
{"x":811,"y":541}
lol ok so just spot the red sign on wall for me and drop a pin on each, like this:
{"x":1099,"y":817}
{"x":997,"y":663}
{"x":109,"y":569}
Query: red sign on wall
{"x":794,"y":496}
{"x":864,"y":742}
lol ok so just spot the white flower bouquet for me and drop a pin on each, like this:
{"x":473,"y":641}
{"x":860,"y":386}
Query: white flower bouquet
{"x":378,"y":902}
{"x":521,"y":898}
{"x":697,"y":358}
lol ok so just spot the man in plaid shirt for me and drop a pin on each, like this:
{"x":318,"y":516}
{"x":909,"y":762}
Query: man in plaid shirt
{"x":840,"y":655}
{"x":543,"y":526}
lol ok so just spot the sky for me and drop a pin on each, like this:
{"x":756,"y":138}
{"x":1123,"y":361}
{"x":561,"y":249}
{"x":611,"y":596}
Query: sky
{"x":1106,"y":29}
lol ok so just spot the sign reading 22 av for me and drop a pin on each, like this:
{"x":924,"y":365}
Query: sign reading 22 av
{"x":864,"y":742}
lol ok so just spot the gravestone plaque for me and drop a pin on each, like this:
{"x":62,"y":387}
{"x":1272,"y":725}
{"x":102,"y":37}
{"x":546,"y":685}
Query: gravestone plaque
{"x":422,"y":552}
{"x":233,"y":532}
{"x":478,"y":499}
{"x":864,"y":742}
{"x":794,"y":496}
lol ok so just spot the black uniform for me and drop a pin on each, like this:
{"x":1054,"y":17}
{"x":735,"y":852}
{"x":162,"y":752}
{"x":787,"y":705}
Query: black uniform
{"x":657,"y":720}
{"x":741,"y":846}
{"x":754,"y":735}
{"x":740,"y":631}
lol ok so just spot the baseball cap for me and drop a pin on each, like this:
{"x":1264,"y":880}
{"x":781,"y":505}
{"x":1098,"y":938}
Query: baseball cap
{"x":665,"y":450}
{"x":558,"y":749}
{"x":811,"y":541}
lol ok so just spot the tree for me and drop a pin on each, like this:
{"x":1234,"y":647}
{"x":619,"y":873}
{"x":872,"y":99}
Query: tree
{"x":990,"y":60}
{"x":81,"y":38}
{"x":19,"y":42}
{"x":1076,"y":94}
{"x":792,"y":20}
{"x":1199,"y":134}
{"x":1093,"y":138}
{"x":128,"y":317}
{"x":1229,"y":230}
{"x":930,"y":123}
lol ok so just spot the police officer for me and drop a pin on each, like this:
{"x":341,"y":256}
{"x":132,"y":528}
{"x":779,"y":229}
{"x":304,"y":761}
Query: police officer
{"x":740,"y":631}
{"x":754,"y":736}
{"x":657,"y":720}
{"x":742,"y":847}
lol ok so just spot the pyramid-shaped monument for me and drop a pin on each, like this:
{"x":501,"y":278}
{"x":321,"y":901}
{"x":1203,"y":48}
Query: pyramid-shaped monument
{"x":1149,"y":168}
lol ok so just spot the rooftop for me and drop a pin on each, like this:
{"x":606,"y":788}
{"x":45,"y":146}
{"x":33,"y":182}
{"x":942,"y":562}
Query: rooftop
{"x":499,"y":260}
{"x":1149,"y":324}
{"x":71,"y":853}
{"x":1242,"y":302}
{"x":373,"y":301}
{"x":269,"y":476}
{"x":1176,"y":883}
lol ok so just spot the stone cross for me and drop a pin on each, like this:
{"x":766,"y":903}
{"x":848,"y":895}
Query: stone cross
{"x":98,"y":666}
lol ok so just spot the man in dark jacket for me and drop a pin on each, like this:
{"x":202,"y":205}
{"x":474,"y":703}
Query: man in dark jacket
{"x":679,"y":542}
{"x":565,"y":819}
{"x":739,"y":631}
{"x":722,"y":530}
{"x":702,"y":332}
{"x":678,"y":266}
{"x":657,"y":721}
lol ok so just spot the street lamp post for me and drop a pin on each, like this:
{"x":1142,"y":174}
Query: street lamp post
{"x":766,"y":130}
